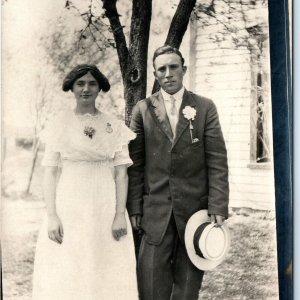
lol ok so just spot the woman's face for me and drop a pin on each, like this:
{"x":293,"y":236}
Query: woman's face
{"x":86,"y":89}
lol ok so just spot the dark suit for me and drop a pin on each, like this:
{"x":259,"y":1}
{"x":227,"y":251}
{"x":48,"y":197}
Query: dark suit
{"x":173,"y":178}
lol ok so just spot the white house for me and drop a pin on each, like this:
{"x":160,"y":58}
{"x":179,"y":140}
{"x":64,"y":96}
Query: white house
{"x":229,"y":63}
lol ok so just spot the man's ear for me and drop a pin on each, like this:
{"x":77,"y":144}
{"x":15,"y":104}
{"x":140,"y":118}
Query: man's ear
{"x":154,"y":73}
{"x":184,"y":68}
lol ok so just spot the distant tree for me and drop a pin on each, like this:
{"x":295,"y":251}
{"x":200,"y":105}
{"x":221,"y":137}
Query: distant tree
{"x":43,"y":106}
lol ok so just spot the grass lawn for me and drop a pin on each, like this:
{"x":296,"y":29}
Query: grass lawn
{"x":248,"y":273}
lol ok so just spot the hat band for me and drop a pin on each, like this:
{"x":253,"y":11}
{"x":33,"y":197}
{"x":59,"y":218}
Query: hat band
{"x":197,"y":236}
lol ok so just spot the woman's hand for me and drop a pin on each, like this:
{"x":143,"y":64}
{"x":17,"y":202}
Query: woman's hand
{"x":119,"y":226}
{"x":55,"y":229}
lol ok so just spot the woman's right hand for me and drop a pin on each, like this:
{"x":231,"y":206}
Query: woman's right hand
{"x":119,"y":226}
{"x":55,"y":229}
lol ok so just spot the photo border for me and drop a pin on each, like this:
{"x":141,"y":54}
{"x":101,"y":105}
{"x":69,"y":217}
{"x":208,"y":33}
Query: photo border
{"x":281,"y":88}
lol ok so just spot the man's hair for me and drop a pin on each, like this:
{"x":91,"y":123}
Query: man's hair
{"x":166,"y":50}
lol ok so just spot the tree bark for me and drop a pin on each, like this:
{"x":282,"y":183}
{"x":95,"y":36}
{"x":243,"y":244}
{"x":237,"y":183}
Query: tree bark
{"x":112,"y":14}
{"x":180,"y":22}
{"x":133,"y":61}
{"x":178,"y":27}
{"x":136,"y":85}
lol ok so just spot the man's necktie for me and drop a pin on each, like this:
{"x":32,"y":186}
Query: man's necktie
{"x":173,"y":116}
{"x":173,"y":106}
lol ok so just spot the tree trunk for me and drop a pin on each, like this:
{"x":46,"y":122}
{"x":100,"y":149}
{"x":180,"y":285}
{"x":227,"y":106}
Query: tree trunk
{"x":133,"y":62}
{"x":35,"y":155}
{"x":136,"y":83}
{"x":133,"y":59}
{"x":178,"y":27}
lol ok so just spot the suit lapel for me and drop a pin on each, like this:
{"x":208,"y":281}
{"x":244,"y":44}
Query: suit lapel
{"x":159,"y":113}
{"x":183,"y":123}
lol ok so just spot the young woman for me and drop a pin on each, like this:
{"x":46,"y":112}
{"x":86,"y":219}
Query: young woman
{"x":84,"y":249}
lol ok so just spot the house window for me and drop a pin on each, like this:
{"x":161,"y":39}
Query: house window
{"x":260,"y":109}
{"x":262,"y":141}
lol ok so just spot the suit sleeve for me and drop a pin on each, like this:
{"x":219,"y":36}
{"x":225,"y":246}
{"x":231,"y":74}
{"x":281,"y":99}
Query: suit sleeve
{"x":217,"y":165}
{"x":136,"y":171}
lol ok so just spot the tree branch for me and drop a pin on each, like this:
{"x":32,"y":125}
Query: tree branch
{"x":112,"y":14}
{"x":180,"y":22}
{"x":178,"y":27}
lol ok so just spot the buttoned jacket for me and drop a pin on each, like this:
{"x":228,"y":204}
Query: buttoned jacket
{"x":180,"y":174}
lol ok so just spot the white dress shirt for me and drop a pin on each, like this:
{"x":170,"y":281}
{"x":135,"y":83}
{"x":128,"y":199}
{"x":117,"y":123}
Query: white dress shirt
{"x":168,"y":105}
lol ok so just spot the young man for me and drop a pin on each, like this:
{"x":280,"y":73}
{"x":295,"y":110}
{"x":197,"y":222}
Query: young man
{"x":180,"y":167}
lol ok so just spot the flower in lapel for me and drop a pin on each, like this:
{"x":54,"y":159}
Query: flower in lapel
{"x":190,"y":113}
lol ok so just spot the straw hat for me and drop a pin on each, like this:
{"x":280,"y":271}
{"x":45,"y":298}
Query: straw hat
{"x":206,"y":243}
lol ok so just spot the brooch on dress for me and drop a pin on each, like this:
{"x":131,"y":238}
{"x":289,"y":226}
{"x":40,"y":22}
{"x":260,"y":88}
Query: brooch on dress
{"x":108,"y":128}
{"x":89,"y":131}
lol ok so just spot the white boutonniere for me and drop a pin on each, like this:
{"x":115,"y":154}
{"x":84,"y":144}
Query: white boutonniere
{"x":189,"y":113}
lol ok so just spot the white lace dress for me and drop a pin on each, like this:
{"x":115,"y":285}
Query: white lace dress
{"x":89,"y":264}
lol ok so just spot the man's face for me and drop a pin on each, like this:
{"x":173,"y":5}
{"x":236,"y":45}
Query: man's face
{"x":169,"y":72}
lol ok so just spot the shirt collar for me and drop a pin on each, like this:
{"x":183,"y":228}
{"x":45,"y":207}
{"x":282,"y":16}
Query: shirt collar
{"x":178,"y":96}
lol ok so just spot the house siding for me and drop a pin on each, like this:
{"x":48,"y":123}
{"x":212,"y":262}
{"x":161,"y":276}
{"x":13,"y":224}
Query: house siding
{"x":221,"y":71}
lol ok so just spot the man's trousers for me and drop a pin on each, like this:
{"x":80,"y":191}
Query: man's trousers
{"x":165,"y":271}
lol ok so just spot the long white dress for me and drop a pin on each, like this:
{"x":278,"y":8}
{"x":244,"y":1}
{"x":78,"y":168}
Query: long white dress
{"x":89,"y":264}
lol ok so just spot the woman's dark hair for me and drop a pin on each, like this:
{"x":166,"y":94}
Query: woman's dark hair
{"x":80,"y":71}
{"x":167,"y":50}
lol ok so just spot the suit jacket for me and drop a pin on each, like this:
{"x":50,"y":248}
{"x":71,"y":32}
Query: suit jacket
{"x":175,"y":174}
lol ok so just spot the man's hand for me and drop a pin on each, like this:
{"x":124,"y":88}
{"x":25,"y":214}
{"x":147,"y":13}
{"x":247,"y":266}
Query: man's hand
{"x":136,"y":222}
{"x":217,"y":219}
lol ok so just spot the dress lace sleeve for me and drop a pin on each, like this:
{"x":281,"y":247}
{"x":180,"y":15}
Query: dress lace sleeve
{"x":122,"y":153}
{"x":122,"y":157}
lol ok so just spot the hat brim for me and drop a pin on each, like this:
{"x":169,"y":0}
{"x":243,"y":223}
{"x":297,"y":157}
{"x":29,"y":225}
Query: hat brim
{"x":193,"y":223}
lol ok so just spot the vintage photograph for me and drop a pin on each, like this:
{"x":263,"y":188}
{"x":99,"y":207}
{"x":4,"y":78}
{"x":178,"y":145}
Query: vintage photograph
{"x":137,"y":151}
